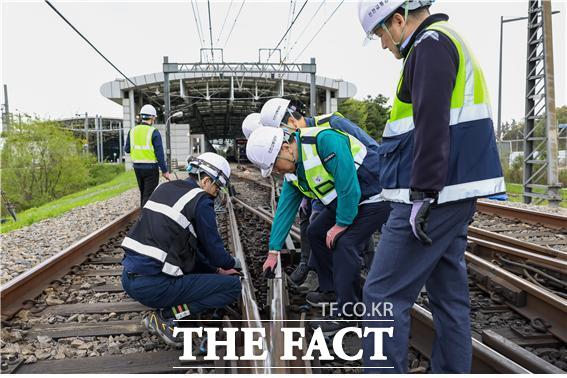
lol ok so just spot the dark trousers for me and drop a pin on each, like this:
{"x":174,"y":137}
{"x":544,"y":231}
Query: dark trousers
{"x":338,"y":270}
{"x":303,"y":226}
{"x":199,"y":292}
{"x":148,"y":180}
{"x":401,"y":266}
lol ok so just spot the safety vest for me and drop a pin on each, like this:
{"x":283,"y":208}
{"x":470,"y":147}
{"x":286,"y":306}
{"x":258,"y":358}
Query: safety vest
{"x":165,"y":230}
{"x":474,"y":164}
{"x":324,"y":120}
{"x":141,"y":146}
{"x":321,"y":184}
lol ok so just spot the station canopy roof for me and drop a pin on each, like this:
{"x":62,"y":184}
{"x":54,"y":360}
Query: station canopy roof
{"x":215,"y":103}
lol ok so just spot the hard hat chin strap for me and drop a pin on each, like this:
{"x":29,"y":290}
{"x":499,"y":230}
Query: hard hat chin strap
{"x":402,"y":35}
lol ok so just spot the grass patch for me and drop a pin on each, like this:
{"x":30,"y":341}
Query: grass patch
{"x":116,"y":186}
{"x":515,"y":194}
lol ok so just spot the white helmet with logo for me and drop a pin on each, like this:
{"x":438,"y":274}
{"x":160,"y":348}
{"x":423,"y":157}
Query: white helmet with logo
{"x":250,"y":123}
{"x":263,"y":148}
{"x":214,"y":165}
{"x":148,"y":110}
{"x":374,"y":13}
{"x":273,"y":112}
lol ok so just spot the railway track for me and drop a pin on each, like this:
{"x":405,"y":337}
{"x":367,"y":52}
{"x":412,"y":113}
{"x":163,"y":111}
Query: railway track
{"x":73,"y":307}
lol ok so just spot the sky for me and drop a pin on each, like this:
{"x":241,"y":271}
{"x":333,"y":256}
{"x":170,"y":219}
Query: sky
{"x":50,"y":71}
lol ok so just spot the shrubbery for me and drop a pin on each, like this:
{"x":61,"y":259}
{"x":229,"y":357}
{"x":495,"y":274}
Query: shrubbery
{"x":42,"y":162}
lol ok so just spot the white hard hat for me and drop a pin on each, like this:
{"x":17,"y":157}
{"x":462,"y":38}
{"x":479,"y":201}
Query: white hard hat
{"x":148,"y":110}
{"x":263,"y":148}
{"x":373,"y":13}
{"x":213,"y":165}
{"x":250,"y":123}
{"x":273,"y":112}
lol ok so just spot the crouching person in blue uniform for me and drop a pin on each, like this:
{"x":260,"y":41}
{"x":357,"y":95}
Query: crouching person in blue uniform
{"x":174,"y":258}
{"x":335,"y":168}
{"x":438,"y":154}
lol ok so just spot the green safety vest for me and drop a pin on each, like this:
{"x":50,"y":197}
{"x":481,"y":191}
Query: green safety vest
{"x":141,"y":146}
{"x":321,"y":184}
{"x":469,"y":101}
{"x":470,"y":121}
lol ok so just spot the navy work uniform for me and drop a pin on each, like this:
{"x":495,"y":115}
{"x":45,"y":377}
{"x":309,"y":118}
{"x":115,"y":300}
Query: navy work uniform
{"x":172,"y":253}
{"x":438,"y":143}
{"x":337,"y":121}
{"x":342,"y":173}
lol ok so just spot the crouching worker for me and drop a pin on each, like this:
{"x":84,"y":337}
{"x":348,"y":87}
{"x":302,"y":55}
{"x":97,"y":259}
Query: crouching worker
{"x":175,"y":259}
{"x":333,"y":167}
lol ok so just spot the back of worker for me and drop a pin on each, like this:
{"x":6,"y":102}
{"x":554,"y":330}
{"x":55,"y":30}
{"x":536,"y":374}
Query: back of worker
{"x":174,"y":258}
{"x":367,"y":178}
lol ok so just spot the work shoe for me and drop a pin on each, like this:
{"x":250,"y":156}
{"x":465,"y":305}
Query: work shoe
{"x":164,"y":328}
{"x":299,"y":274}
{"x":311,"y":283}
{"x":317,"y":299}
{"x":334,"y":324}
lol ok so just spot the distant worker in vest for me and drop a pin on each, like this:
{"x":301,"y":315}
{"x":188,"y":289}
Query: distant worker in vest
{"x":174,"y":258}
{"x":331,"y":166}
{"x":280,"y":112}
{"x":438,"y":155}
{"x":145,"y":147}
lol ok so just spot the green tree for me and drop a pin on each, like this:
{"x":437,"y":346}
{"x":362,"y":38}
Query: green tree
{"x":41,"y":162}
{"x":371,"y":114}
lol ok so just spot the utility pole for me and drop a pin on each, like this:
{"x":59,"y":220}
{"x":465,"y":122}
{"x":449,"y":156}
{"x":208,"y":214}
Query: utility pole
{"x":540,"y":131}
{"x":6,"y":115}
{"x":87,"y":132}
{"x":167,"y":104}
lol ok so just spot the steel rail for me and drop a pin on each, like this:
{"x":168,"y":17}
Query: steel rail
{"x":488,"y":248}
{"x":510,"y":241}
{"x":485,"y":359}
{"x":250,"y":309}
{"x":530,"y":216}
{"x":31,"y":283}
{"x":538,"y":301}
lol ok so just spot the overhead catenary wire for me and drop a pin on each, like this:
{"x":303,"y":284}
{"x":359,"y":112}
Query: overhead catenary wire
{"x":89,"y":42}
{"x":289,"y":28}
{"x":199,"y":20}
{"x":318,"y":31}
{"x":197,"y":24}
{"x":224,"y":22}
{"x":210,"y":29}
{"x":234,"y":23}
{"x":288,"y":52}
{"x":290,"y":15}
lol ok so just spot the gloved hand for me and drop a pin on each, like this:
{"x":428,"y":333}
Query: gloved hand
{"x":419,"y":217}
{"x":229,"y":272}
{"x":237,"y":263}
{"x":269,"y":266}
{"x":333,"y":234}
{"x":304,"y":205}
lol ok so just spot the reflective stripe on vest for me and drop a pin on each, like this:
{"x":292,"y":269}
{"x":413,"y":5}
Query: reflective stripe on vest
{"x":320,"y":182}
{"x":141,"y":146}
{"x":325,"y":119}
{"x":173,"y":213}
{"x":470,"y":103}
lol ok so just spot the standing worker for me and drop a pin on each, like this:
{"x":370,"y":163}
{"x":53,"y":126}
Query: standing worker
{"x":333,"y":167}
{"x":438,"y":155}
{"x":145,"y":147}
{"x":174,"y":258}
{"x":280,"y":112}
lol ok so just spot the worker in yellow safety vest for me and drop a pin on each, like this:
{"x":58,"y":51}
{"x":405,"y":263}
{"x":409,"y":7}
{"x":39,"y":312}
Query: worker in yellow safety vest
{"x":146,"y":150}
